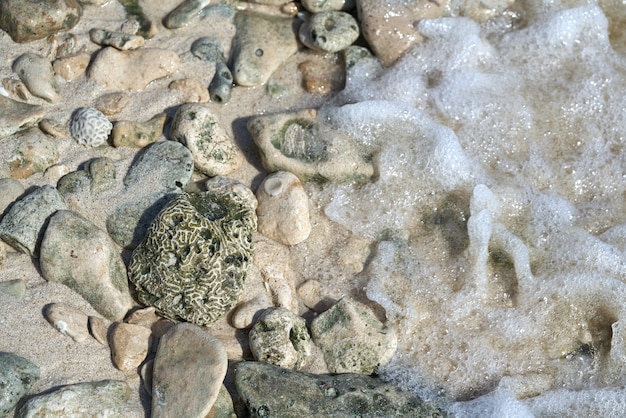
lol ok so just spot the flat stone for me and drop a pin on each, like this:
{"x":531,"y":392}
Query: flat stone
{"x":214,"y":151}
{"x":15,"y":288}
{"x":189,"y":368}
{"x":17,"y":375}
{"x":131,"y":70}
{"x":15,"y":116}
{"x":29,"y":20}
{"x":68,"y":321}
{"x":112,"y":103}
{"x":283,"y":209}
{"x":280,"y":337}
{"x":118,"y":40}
{"x":76,"y":253}
{"x":106,"y":398}
{"x":129,"y":345}
{"x":28,"y":152}
{"x":22,"y":226}
{"x":352,"y":339}
{"x":138,"y":134}
{"x":272,"y":391}
{"x":329,"y":31}
{"x":193,"y":261}
{"x":71,"y":67}
{"x":38,"y":76}
{"x":261,"y":44}
{"x":298,"y":143}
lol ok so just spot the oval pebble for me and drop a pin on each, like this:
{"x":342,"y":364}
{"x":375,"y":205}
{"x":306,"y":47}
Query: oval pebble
{"x":68,"y":321}
{"x":329,"y":31}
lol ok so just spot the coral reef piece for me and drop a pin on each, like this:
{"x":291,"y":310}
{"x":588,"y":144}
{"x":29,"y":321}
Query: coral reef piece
{"x":90,"y":127}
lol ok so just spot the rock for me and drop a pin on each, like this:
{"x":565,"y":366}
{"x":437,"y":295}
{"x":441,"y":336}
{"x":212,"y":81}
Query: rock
{"x":329,"y":31}
{"x":106,"y":398}
{"x":55,"y":172}
{"x":53,"y":128}
{"x":10,"y":191}
{"x":352,"y":338}
{"x":193,"y":90}
{"x":322,"y":76}
{"x":98,"y":329}
{"x":167,"y":166}
{"x":15,"y":288}
{"x":15,"y":88}
{"x":22,"y":226}
{"x":315,"y":6}
{"x":29,"y":20}
{"x":15,"y":116}
{"x":245,"y":314}
{"x":17,"y":375}
{"x":272,"y":391}
{"x":223,"y":406}
{"x":138,"y":134}
{"x":71,"y":67}
{"x":135,"y":13}
{"x":28,"y":152}
{"x":146,"y":372}
{"x":193,"y":261}
{"x":68,"y":321}
{"x":76,"y":253}
{"x":278,"y":277}
{"x":283,"y":209}
{"x":129,"y":345}
{"x":90,"y":127}
{"x":261,"y":44}
{"x":390,"y":27}
{"x":184,"y":13}
{"x":310,"y":293}
{"x":145,"y":317}
{"x":112,"y":103}
{"x":280,"y":337}
{"x":298,"y":143}
{"x":118,"y":40}
{"x":102,"y":174}
{"x":131,"y":70}
{"x":37,"y":75}
{"x":209,"y":49}
{"x":189,"y":368}
{"x":214,"y":152}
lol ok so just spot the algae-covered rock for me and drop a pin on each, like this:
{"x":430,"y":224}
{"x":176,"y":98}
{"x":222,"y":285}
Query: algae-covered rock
{"x":193,"y":261}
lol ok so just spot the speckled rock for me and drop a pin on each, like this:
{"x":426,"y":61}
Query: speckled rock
{"x":28,"y":20}
{"x":22,"y":226}
{"x":184,"y":13}
{"x":298,"y":143}
{"x":214,"y":151}
{"x":315,"y":6}
{"x":71,"y":67}
{"x":112,"y":103}
{"x":352,"y":338}
{"x":329,"y":31}
{"x":15,"y":116}
{"x":106,"y":398}
{"x":38,"y":76}
{"x":262,"y":388}
{"x":193,"y":262}
{"x":10,"y":190}
{"x":260,"y":46}
{"x":193,"y":91}
{"x":131,"y":70}
{"x":15,"y":288}
{"x":68,"y":321}
{"x":138,"y":134}
{"x":81,"y":256}
{"x":28,"y":152}
{"x":129,"y":345}
{"x":283,"y":209}
{"x":280,"y":337}
{"x":118,"y":40}
{"x":189,"y":368}
{"x":17,"y":375}
{"x":98,"y":176}
{"x":168,"y":166}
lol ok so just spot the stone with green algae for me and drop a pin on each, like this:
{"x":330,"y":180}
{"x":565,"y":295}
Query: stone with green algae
{"x":193,"y":262}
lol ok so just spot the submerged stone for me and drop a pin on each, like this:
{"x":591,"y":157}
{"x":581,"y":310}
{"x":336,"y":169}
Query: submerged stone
{"x":192,"y":264}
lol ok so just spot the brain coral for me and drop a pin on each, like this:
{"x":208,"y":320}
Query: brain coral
{"x":193,"y":261}
{"x":90,"y":127}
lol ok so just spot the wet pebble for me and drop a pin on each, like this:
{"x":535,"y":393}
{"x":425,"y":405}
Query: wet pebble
{"x":313,"y":297}
{"x":71,"y":67}
{"x":214,"y":151}
{"x":138,"y":134}
{"x":118,"y":40}
{"x":112,"y":103}
{"x":17,"y":375}
{"x":193,"y":91}
{"x":283,"y":209}
{"x":29,"y":20}
{"x":189,"y":368}
{"x":209,"y":49}
{"x":329,"y":31}
{"x":22,"y":226}
{"x":68,"y":321}
{"x":184,"y":13}
{"x":15,"y":288}
{"x":106,"y":398}
{"x":37,"y":75}
{"x":15,"y":116}
{"x":129,"y":345}
{"x":322,"y":76}
{"x":78,"y":254}
{"x":133,"y":69}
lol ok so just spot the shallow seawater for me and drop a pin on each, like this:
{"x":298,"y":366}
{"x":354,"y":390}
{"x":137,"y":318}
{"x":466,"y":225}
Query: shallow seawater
{"x":497,"y":217}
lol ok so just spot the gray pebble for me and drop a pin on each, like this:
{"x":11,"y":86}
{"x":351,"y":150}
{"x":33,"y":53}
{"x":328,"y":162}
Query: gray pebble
{"x":23,"y":225}
{"x":17,"y":375}
{"x":37,"y":74}
{"x":209,"y":49}
{"x":329,"y":31}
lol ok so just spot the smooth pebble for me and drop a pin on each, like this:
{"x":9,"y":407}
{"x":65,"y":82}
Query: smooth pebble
{"x":112,"y":103}
{"x":129,"y":345}
{"x":68,"y":321}
{"x":98,"y":328}
{"x":37,"y":75}
{"x":193,"y":91}
{"x":71,"y":67}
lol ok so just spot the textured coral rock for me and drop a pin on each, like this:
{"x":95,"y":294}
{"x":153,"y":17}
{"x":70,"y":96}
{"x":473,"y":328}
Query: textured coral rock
{"x":194,"y":259}
{"x":89,"y":127}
